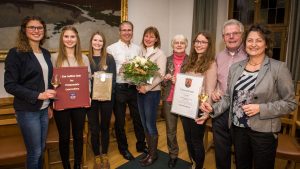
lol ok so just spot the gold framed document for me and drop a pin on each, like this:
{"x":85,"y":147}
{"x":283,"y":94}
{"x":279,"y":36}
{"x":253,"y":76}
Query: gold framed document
{"x":102,"y":86}
{"x":186,"y":91}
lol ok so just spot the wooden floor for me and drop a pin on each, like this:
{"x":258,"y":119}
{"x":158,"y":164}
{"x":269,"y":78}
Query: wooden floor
{"x":116,"y":159}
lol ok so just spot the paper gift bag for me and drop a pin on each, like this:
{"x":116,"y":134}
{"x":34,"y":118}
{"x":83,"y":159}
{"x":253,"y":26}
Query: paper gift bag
{"x":102,"y":86}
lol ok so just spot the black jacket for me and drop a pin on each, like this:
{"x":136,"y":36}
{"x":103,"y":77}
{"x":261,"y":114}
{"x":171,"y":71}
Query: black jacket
{"x":23,"y":78}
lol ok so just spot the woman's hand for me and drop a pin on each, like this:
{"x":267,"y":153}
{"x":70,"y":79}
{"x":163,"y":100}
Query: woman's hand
{"x":141,"y":89}
{"x":202,"y":119}
{"x":48,"y":94}
{"x":206,"y":108}
{"x":50,"y":112}
{"x":251,"y":109}
{"x":173,"y":79}
{"x":168,"y":77}
{"x":216,"y":96}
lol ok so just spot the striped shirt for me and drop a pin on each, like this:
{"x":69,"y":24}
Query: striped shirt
{"x":243,"y":94}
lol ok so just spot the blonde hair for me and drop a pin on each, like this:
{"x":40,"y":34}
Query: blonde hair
{"x":62,"y":54}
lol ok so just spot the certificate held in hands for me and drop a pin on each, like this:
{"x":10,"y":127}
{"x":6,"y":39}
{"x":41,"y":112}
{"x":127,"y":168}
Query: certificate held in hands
{"x":185,"y":100}
{"x":102,"y":86}
{"x":73,"y":91}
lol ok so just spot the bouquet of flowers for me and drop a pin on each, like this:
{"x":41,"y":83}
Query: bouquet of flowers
{"x":139,"y":70}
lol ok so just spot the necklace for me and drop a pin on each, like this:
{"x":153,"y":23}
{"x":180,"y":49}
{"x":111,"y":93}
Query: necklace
{"x":254,"y":64}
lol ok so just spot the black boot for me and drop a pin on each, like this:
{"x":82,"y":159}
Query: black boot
{"x":66,"y":165}
{"x":146,"y":154}
{"x":152,"y":157}
{"x":77,"y":166}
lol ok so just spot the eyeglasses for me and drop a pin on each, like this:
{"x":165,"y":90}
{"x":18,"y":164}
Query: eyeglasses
{"x":232,"y":34}
{"x":197,"y":42}
{"x":126,"y":30}
{"x":179,"y":43}
{"x":33,"y":28}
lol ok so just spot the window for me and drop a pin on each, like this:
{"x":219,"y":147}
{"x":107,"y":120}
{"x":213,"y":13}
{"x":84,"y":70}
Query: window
{"x":273,"y":13}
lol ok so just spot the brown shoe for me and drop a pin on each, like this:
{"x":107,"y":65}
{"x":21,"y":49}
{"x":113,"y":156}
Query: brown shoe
{"x":152,"y":157}
{"x":97,"y":162}
{"x":105,"y":161}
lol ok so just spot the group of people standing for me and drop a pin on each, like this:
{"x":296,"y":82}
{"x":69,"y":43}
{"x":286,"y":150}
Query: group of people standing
{"x":248,"y":92}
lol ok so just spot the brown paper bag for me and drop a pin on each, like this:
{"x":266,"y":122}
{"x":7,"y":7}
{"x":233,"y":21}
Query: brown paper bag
{"x":102,"y":86}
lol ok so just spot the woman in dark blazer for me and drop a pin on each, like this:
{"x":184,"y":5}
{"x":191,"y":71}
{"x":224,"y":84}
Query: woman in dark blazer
{"x":28,"y":72}
{"x":260,"y":90}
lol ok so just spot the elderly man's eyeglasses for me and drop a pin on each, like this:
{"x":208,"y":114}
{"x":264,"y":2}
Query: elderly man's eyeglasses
{"x":232,"y":34}
{"x":33,"y":28}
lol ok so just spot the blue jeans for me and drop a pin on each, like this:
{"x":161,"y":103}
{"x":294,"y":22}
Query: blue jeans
{"x":148,"y":104}
{"x":34,"y":127}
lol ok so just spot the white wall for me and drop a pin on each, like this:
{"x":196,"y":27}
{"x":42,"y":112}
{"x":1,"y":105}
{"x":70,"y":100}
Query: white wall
{"x":170,"y":17}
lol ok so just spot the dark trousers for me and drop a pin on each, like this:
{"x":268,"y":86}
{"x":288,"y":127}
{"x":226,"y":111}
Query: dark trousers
{"x":99,"y":116}
{"x":222,"y":141}
{"x":63,"y":119}
{"x":171,"y":129}
{"x":193,"y":134}
{"x":254,"y":149}
{"x":127,"y":95}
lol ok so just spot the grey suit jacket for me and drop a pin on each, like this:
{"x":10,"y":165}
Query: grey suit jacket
{"x":274,"y":92}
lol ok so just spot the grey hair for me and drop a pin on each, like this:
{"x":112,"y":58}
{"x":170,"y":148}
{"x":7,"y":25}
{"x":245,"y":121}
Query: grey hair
{"x":233,"y":22}
{"x":179,"y":37}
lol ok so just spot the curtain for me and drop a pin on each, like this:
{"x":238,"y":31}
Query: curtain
{"x":205,"y":17}
{"x":293,"y":46}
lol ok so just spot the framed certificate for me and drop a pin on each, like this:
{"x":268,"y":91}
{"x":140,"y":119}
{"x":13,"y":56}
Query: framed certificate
{"x":102,"y":86}
{"x":186,"y":91}
{"x":72,"y":91}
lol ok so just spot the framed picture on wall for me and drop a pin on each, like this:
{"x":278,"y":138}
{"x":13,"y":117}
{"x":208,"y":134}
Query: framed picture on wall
{"x":87,"y":16}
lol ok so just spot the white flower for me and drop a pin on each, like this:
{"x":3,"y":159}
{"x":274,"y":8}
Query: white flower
{"x":143,"y":61}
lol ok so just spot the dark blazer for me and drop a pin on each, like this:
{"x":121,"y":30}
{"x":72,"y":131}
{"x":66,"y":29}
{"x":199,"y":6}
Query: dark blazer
{"x":23,"y":78}
{"x":274,"y":92}
{"x":167,"y":85}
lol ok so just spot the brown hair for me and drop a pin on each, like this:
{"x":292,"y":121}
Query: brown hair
{"x":22,"y":43}
{"x":124,"y":23}
{"x":202,"y":64}
{"x":62,"y":54}
{"x":265,"y":34}
{"x":155,"y":32}
{"x":103,"y":51}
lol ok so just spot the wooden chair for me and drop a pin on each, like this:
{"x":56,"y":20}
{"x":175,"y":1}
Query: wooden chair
{"x":288,"y":145}
{"x":12,"y":148}
{"x":298,"y":88}
{"x":53,"y":141}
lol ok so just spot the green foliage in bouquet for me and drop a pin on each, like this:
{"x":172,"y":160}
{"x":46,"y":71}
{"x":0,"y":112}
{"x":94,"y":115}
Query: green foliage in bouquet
{"x":139,"y":70}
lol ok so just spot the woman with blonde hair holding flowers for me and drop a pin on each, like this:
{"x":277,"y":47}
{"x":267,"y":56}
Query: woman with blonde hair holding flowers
{"x":149,"y":94}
